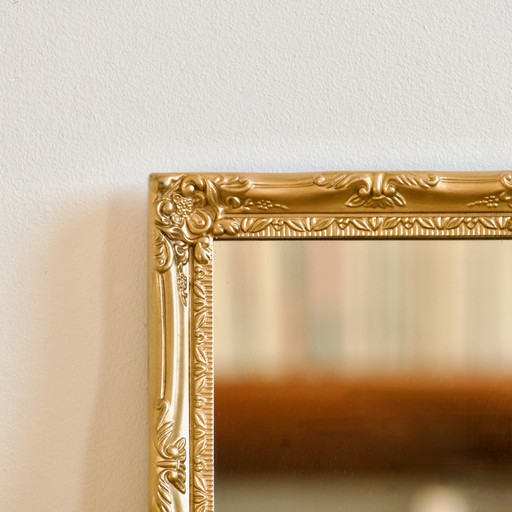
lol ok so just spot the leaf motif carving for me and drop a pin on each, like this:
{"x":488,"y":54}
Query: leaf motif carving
{"x":229,"y":226}
{"x":453,"y":223}
{"x":199,"y":290}
{"x":203,"y":250}
{"x":376,"y":190}
{"x":201,"y":484}
{"x":296,"y":225}
{"x":426,"y":222}
{"x":247,"y":224}
{"x":202,"y":387}
{"x":200,"y":384}
{"x":382,"y":224}
{"x":200,"y":420}
{"x":362,"y":224}
{"x":257,"y":225}
{"x":391,"y":222}
{"x":375,"y":223}
{"x":201,"y":319}
{"x":201,"y":355}
{"x":489,"y":222}
{"x":502,"y":222}
{"x":170,"y":463}
{"x":321,"y":224}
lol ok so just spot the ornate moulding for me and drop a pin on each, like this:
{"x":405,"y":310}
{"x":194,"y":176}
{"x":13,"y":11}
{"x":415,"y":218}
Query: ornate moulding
{"x":189,"y":211}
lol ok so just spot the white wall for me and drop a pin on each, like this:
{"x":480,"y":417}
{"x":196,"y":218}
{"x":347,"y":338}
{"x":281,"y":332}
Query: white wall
{"x":98,"y":94}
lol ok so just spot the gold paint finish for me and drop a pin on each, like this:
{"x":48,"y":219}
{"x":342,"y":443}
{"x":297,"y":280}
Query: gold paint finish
{"x":189,"y":211}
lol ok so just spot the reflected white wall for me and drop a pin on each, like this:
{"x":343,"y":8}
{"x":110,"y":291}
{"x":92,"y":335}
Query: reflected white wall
{"x":363,"y":308}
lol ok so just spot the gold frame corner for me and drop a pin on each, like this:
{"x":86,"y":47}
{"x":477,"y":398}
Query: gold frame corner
{"x":188,"y":212}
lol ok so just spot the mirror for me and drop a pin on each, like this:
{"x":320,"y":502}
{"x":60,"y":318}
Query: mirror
{"x":359,"y":375}
{"x":359,"y":332}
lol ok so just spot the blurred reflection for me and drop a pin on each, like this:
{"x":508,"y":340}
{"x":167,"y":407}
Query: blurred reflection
{"x":363,"y":375}
{"x":440,"y":499}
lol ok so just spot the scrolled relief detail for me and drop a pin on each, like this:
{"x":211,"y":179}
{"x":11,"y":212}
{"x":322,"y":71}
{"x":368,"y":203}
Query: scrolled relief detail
{"x":492,"y":201}
{"x":170,"y":461}
{"x":192,"y":207}
{"x":376,"y":190}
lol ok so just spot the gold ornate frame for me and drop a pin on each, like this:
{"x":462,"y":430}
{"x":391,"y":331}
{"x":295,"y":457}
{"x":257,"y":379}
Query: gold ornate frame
{"x":189,"y":211}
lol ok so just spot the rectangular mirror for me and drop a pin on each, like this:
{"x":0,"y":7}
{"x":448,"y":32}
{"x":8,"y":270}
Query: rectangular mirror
{"x":337,"y":341}
{"x":363,"y":375}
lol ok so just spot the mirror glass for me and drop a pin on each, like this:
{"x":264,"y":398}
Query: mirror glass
{"x":363,"y":376}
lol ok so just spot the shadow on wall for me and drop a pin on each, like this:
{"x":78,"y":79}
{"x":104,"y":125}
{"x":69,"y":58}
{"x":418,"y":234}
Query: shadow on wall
{"x":116,"y":461}
{"x":82,"y":436}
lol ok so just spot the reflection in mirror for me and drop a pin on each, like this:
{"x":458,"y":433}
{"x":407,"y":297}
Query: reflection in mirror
{"x":363,"y":376}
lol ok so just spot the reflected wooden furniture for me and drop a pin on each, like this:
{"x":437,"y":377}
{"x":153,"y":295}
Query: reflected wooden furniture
{"x":372,"y":425}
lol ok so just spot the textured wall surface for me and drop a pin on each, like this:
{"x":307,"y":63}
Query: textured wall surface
{"x":97,"y":94}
